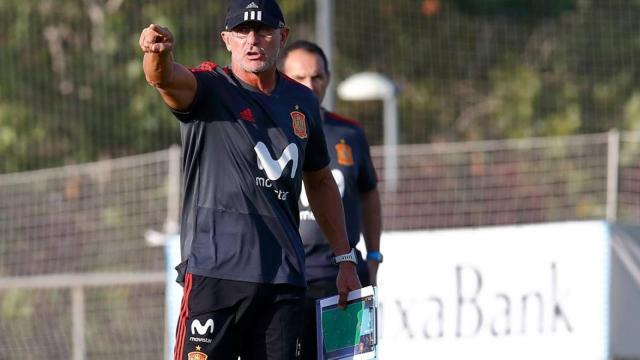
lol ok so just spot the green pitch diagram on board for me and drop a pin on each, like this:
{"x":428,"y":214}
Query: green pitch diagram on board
{"x":341,"y":328}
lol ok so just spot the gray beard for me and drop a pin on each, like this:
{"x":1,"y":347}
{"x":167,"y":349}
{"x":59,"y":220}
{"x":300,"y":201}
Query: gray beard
{"x":270,"y":63}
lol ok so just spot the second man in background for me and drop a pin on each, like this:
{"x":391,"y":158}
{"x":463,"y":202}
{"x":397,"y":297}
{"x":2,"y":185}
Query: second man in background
{"x":355,"y":176}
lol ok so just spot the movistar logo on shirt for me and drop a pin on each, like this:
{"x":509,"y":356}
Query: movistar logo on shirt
{"x":275,"y":167}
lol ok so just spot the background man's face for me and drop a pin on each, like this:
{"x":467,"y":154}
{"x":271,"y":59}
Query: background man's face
{"x":308,"y":69}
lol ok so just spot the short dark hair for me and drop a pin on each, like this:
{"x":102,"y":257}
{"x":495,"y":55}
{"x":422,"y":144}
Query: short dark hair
{"x":306,"y":46}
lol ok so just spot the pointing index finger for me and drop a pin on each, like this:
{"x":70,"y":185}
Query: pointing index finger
{"x":160,"y":30}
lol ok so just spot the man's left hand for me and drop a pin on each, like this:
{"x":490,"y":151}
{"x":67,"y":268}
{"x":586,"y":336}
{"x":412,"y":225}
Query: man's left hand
{"x":347,"y":281}
{"x":373,"y":272}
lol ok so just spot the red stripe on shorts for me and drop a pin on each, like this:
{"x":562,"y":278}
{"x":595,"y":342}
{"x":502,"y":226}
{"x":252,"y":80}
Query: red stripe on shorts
{"x":181,"y":331}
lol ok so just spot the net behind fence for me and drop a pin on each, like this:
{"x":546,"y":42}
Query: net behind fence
{"x":121,"y":322}
{"x":498,"y":182}
{"x":87,"y":224}
{"x":629,"y":179}
{"x":72,"y":88}
{"x":90,"y":221}
{"x":35,"y":323}
{"x":83,"y":218}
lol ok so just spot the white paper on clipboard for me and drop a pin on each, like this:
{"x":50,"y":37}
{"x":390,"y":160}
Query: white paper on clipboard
{"x":350,"y":333}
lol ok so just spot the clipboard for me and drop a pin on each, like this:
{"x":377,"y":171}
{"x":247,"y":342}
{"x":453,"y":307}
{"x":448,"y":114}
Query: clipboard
{"x":350,"y":333}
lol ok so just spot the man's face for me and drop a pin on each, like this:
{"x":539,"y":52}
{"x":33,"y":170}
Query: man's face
{"x":308,"y":69}
{"x":254,"y":46}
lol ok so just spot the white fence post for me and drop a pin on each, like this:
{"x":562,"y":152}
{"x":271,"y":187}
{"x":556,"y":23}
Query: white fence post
{"x":172,"y":227}
{"x":173,"y":191}
{"x":613,"y":159}
{"x":325,"y":39}
{"x":78,"y":316}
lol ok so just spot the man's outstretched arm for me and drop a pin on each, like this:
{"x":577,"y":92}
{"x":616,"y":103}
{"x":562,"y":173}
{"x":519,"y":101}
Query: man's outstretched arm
{"x":326,"y":204}
{"x":176,"y":84}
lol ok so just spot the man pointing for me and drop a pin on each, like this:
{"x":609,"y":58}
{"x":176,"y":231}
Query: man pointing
{"x":249,"y":136}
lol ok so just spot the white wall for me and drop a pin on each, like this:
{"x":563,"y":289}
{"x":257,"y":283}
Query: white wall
{"x":458,"y":294}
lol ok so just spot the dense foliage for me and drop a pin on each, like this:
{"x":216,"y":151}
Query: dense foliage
{"x":72,"y":88}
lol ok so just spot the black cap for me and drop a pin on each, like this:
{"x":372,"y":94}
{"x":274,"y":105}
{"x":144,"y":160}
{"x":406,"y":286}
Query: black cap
{"x":265,"y":11}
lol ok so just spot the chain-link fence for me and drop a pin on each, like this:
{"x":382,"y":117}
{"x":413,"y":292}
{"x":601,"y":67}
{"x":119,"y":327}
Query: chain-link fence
{"x":83,"y":218}
{"x":72,"y":88}
{"x":502,"y":182}
{"x":76,"y":261}
{"x":72,"y":91}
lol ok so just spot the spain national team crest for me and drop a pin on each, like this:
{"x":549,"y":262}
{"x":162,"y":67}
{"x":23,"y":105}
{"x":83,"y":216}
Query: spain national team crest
{"x":298,"y":120}
{"x":197,"y":355}
{"x":345,"y":154}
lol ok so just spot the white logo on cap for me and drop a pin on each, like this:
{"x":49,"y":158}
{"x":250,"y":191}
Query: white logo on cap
{"x":252,"y":6}
{"x":253,"y":15}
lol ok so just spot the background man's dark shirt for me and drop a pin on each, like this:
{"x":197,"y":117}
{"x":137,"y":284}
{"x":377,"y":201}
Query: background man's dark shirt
{"x":354,"y":173}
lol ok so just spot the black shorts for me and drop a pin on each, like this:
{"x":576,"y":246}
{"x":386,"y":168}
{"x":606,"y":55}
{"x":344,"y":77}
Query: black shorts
{"x":223,"y":319}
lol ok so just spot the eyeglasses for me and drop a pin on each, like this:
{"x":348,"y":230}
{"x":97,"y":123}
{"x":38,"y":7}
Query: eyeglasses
{"x":242,"y":32}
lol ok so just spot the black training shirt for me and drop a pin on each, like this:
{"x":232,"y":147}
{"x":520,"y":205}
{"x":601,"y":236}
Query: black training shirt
{"x":243,"y":157}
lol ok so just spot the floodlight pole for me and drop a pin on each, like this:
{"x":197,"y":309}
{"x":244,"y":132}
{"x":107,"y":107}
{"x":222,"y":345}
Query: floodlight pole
{"x":390,"y":140}
{"x":326,"y":40}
